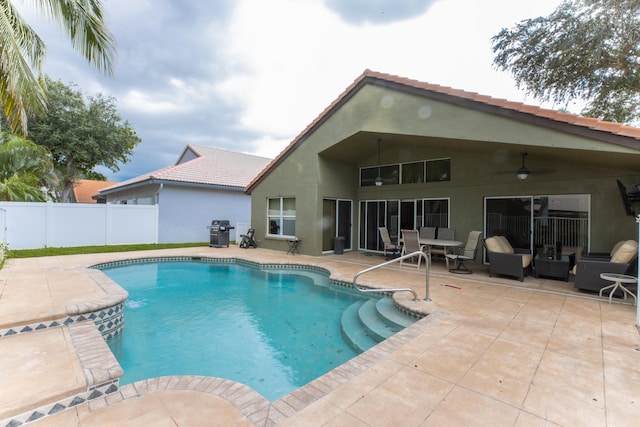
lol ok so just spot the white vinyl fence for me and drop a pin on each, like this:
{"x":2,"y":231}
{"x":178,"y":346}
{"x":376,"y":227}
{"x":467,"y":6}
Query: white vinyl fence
{"x":3,"y":225}
{"x":39,"y":225}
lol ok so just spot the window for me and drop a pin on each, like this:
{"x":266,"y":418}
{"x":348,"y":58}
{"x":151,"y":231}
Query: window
{"x":413,"y":173}
{"x":368,"y":176}
{"x":281,"y":216}
{"x":439,"y":170}
{"x":390,"y":174}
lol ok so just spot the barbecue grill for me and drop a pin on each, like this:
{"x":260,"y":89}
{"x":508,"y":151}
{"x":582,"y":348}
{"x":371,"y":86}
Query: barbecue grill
{"x":219,"y":233}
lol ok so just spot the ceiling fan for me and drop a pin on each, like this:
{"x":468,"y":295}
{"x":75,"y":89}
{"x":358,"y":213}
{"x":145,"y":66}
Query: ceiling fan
{"x":523,"y":172}
{"x":379,"y":181}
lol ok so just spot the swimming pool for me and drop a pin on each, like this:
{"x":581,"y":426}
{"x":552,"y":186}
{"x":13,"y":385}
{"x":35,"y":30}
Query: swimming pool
{"x":274,"y":329}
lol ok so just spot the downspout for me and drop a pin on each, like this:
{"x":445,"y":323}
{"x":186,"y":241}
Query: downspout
{"x":157,"y":203}
{"x":157,"y":195}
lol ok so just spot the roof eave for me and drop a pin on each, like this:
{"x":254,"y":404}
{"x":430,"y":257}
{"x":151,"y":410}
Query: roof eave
{"x":155,"y":181}
{"x":523,"y":116}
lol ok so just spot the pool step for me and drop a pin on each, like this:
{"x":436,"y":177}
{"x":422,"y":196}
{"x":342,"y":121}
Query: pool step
{"x":374,"y":322}
{"x":366,"y":323}
{"x":388,"y":311}
{"x":353,"y":331}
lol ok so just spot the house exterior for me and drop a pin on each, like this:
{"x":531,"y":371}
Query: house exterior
{"x":446,"y":158}
{"x":204,"y":184}
{"x":88,"y":190}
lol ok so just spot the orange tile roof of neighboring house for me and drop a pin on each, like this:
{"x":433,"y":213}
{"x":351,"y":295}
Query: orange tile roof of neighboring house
{"x":469,"y":99}
{"x":212,"y":166}
{"x":85,"y":189}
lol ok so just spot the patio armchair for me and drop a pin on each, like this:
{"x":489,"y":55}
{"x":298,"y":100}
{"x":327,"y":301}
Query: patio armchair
{"x":506,"y":260}
{"x":623,"y":260}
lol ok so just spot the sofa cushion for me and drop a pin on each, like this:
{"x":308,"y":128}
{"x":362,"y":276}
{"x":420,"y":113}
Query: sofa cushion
{"x":626,"y":252}
{"x":499,"y":244}
{"x":505,"y":246}
{"x":616,"y":247}
{"x":492,"y":244}
{"x":526,"y":260}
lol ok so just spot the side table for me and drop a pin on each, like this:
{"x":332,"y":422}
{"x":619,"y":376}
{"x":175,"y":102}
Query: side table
{"x":555,"y":268}
{"x":293,"y":246}
{"x":618,"y":280}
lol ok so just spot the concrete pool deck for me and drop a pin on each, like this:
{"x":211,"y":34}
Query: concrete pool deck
{"x":492,"y":351}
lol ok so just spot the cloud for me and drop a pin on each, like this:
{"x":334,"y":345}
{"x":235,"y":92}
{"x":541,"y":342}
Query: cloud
{"x":378,"y":11}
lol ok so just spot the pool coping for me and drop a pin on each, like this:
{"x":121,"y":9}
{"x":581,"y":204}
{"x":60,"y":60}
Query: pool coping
{"x":97,"y":310}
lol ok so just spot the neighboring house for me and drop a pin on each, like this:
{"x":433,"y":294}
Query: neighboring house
{"x":87,"y":191}
{"x":204,"y":184}
{"x":446,"y":158}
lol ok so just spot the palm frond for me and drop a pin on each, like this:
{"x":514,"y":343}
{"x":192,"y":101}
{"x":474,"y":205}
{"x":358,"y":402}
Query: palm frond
{"x":21,"y":92}
{"x":84,"y":22}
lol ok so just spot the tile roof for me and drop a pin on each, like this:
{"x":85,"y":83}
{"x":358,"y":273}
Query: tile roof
{"x":85,"y":189}
{"x":453,"y":95}
{"x":573,"y":119}
{"x":212,"y":166}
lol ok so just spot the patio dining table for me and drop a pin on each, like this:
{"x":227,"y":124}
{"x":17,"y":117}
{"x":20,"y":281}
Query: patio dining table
{"x":440,"y":243}
{"x":446,"y":244}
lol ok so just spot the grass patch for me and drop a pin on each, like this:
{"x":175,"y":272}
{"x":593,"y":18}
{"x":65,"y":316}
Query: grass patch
{"x":31,"y":253}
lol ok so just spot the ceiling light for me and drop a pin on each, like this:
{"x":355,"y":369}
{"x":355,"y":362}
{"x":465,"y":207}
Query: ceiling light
{"x":523,"y":172}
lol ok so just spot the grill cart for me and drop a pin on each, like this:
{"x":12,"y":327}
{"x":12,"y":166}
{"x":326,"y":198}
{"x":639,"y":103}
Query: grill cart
{"x":219,"y":233}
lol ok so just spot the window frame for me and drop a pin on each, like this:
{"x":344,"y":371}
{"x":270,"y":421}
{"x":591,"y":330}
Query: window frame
{"x":393,"y":173}
{"x":283,"y":215}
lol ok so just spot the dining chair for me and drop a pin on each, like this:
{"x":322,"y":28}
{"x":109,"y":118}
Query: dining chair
{"x":389,"y":246}
{"x":444,"y":233}
{"x":427,"y":232}
{"x":468,"y":253}
{"x":411,"y":243}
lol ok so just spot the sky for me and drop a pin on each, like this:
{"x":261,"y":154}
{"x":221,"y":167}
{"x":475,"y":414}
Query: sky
{"x":250,"y":75}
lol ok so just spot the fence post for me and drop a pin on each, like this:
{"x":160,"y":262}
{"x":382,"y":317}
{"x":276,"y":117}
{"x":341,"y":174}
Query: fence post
{"x":48,"y":218}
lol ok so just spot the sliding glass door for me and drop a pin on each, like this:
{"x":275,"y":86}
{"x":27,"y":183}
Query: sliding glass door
{"x":534,"y":222}
{"x":336,"y":223}
{"x":374,"y":214}
{"x":510,"y":217}
{"x":435,"y":213}
{"x":398,"y":215}
{"x":563,"y":219}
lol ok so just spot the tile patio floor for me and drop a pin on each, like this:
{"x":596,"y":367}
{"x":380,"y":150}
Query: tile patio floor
{"x":495,"y":352}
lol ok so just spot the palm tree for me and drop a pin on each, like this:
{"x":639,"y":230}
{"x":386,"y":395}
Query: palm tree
{"x":26,"y":170}
{"x":22,"y":52}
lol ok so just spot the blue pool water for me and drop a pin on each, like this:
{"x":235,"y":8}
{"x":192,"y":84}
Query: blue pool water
{"x":273,"y":330}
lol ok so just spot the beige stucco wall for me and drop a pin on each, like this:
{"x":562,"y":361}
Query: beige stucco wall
{"x":484,"y":150}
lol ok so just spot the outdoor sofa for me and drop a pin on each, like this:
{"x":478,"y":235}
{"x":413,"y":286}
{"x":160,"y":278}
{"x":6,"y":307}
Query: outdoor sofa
{"x":622,"y":259}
